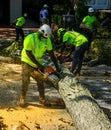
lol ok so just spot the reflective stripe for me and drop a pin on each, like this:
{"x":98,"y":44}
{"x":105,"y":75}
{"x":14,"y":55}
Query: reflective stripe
{"x":76,"y":35}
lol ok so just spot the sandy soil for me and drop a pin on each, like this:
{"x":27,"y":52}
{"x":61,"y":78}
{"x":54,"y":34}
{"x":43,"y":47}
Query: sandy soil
{"x":34,"y":116}
{"x":38,"y":117}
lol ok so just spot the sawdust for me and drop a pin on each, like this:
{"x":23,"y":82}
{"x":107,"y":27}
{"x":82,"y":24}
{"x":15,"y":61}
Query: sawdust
{"x":34,"y":116}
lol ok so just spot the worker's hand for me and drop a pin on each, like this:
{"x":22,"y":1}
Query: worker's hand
{"x":62,"y":56}
{"x":67,"y":56}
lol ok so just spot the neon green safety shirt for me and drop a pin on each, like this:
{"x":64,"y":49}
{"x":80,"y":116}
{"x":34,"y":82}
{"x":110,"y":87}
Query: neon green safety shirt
{"x":89,"y":20}
{"x":38,"y":47}
{"x":74,"y":38}
{"x":20,"y":22}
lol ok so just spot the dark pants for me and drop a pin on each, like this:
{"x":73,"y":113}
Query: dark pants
{"x":78,"y":57}
{"x":88,"y":34}
{"x":19,"y":32}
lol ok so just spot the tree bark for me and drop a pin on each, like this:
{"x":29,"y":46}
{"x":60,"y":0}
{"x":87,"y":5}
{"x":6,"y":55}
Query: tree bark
{"x":82,"y":107}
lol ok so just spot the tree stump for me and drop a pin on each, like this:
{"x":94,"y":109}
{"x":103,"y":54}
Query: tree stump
{"x":82,"y":107}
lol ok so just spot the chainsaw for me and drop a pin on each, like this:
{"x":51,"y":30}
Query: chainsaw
{"x":52,"y":75}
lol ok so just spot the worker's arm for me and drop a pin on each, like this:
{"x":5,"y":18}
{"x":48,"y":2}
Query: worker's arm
{"x":82,"y":25}
{"x":64,"y":47}
{"x":70,"y":51}
{"x":14,"y":22}
{"x":30,"y":55}
{"x":54,"y":60}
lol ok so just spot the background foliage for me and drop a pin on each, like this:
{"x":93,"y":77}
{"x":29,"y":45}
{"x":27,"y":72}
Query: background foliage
{"x":101,"y":44}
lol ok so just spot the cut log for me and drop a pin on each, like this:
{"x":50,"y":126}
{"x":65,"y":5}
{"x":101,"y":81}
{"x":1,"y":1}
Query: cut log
{"x":81,"y":106}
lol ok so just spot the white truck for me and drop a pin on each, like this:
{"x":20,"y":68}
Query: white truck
{"x":100,"y":4}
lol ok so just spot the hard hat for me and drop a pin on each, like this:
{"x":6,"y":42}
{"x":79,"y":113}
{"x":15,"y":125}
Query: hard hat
{"x":45,"y":30}
{"x":90,"y":10}
{"x":60,"y":32}
{"x":25,"y":15}
{"x":45,"y":6}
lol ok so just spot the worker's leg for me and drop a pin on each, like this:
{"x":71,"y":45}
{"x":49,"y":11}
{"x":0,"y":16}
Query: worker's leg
{"x":22,"y":35}
{"x":40,"y":78}
{"x":17,"y":34}
{"x":82,"y":51}
{"x":75,"y":59}
{"x":25,"y":82}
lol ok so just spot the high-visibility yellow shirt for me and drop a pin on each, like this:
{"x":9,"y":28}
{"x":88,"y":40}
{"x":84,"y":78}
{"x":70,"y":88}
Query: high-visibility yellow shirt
{"x":38,"y":46}
{"x":20,"y":22}
{"x":74,"y":38}
{"x":89,"y":21}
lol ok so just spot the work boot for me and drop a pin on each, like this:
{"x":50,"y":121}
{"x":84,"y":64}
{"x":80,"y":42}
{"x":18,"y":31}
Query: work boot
{"x":44,"y":102}
{"x":22,"y":101}
{"x":41,"y":100}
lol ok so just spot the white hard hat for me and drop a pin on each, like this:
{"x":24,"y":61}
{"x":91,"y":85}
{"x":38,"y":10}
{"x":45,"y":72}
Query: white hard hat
{"x":25,"y":14}
{"x":45,"y":6}
{"x":90,"y":10}
{"x":45,"y":30}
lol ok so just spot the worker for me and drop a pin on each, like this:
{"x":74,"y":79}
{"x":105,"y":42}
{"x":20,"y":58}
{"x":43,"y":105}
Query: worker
{"x":89,"y":25}
{"x":79,"y":45}
{"x":43,"y":14}
{"x":19,"y":23}
{"x":35,"y":46}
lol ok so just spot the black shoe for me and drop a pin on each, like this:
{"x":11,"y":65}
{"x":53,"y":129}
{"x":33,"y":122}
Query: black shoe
{"x":44,"y":102}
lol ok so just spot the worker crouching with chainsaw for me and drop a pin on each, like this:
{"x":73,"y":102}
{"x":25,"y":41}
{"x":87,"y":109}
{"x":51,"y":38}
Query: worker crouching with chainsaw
{"x":35,"y":46}
{"x":79,"y":46}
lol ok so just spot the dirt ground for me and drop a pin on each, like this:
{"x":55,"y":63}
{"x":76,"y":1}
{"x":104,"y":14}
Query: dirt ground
{"x":36,"y":116}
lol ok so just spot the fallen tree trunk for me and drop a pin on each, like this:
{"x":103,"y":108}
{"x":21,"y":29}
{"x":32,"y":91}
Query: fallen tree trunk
{"x":82,"y":107}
